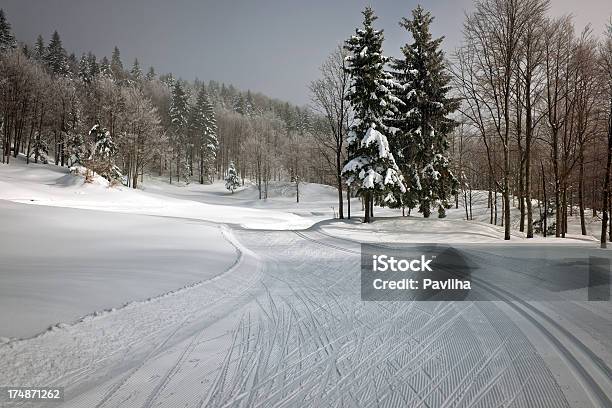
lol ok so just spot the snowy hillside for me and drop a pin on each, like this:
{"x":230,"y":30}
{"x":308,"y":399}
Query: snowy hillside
{"x":51,"y":186}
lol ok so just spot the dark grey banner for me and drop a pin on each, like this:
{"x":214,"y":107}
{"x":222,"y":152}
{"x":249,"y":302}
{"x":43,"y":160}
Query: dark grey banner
{"x":392,"y":272}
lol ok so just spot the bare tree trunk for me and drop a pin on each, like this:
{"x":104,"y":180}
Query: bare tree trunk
{"x":606,"y":186}
{"x":348,"y":201}
{"x":581,"y":195}
{"x":545,"y":217}
{"x":495,"y":203}
{"x":471,"y":214}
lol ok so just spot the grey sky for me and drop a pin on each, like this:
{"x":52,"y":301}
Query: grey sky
{"x":274,"y":47}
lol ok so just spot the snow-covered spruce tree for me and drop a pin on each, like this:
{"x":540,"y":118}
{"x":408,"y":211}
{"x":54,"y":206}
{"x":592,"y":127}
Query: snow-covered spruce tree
{"x":116,"y":66}
{"x":85,"y":74}
{"x":39,"y":49}
{"x":94,"y":68}
{"x":56,"y":58}
{"x":40,"y":148}
{"x":371,"y":168}
{"x":105,"y":70}
{"x":424,"y":124}
{"x":75,"y":146}
{"x":232,"y":181}
{"x":150,"y":74}
{"x":7,"y":39}
{"x":136,"y":72}
{"x":203,"y":125}
{"x":179,"y":116}
{"x":102,"y":157}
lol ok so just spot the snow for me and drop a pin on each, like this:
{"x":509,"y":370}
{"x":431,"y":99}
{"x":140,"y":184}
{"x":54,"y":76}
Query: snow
{"x":45,"y":185}
{"x":62,"y":263}
{"x":374,"y":136}
{"x":249,"y":317}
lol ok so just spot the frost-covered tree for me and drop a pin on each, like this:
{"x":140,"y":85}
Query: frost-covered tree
{"x":238,"y":104}
{"x":179,"y":119}
{"x":203,"y":125}
{"x":105,"y":69}
{"x":424,"y":124}
{"x":232,"y":181}
{"x":102,"y":157}
{"x":40,"y":148}
{"x":39,"y":49}
{"x":55,"y":57}
{"x":7,"y":39}
{"x":84,"y":70}
{"x":371,"y":167}
{"x":75,"y":146}
{"x":248,"y":104}
{"x":116,"y":66}
{"x":150,"y":74}
{"x":94,"y":67}
{"x":136,"y":72}
{"x":73,"y":65}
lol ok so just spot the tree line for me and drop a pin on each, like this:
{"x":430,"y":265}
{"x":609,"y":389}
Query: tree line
{"x":58,"y":108}
{"x":536,"y":98}
{"x":522,"y":109}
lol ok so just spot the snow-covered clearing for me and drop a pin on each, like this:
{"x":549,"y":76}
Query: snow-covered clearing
{"x":46,"y":185}
{"x":60,"y":264}
{"x":247,"y":317}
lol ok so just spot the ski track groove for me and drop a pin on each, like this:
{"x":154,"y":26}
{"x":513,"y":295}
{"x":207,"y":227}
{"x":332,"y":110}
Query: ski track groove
{"x":113,"y":390}
{"x":304,"y":236}
{"x":583,"y":376}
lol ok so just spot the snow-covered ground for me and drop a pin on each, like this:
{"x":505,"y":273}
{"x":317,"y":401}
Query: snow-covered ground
{"x":44,"y":185}
{"x":241,"y":302}
{"x":59,"y":264}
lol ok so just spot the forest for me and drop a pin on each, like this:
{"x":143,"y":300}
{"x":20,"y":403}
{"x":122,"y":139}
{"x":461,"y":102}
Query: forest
{"x":522,"y":109}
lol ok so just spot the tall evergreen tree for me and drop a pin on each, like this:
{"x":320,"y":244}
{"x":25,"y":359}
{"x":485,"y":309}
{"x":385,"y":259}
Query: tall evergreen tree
{"x":116,"y":66}
{"x":168,"y":80}
{"x":27,"y":51}
{"x":94,"y":68}
{"x":238,"y":104}
{"x":105,"y":69}
{"x":150,"y":74}
{"x":179,"y":118}
{"x":39,"y":49}
{"x":55,"y":57}
{"x":371,"y":167}
{"x":424,"y":122}
{"x":84,"y":70}
{"x":73,"y":64}
{"x":136,"y":72}
{"x":249,"y":105}
{"x":7,"y":39}
{"x":204,"y":128}
{"x":102,"y":158}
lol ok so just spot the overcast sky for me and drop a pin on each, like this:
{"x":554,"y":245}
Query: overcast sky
{"x":274,"y":47}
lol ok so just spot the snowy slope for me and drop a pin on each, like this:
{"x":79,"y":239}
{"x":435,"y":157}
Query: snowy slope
{"x":62,"y":263}
{"x":46,"y":185}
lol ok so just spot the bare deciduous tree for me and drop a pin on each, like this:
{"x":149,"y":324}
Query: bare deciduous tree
{"x":329,"y":99}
